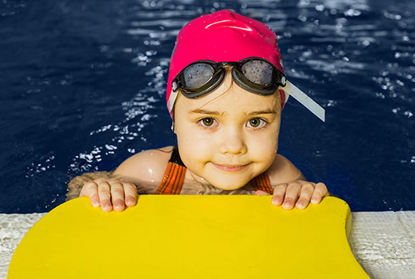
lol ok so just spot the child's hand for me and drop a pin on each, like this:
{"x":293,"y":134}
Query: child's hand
{"x":298,"y":193}
{"x":110,"y":193}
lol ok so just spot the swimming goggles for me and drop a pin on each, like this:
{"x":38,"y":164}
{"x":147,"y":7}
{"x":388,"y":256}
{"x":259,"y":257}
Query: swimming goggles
{"x":254,"y":74}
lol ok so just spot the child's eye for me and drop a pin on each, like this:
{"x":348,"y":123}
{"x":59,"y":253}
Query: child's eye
{"x":256,"y":123}
{"x":207,"y":121}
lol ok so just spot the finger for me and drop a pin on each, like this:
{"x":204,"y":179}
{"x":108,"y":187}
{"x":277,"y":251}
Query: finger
{"x":117,"y":195}
{"x":291,"y":195}
{"x":130,"y":194}
{"x":90,"y":190}
{"x":279,"y":193}
{"x":319,"y":192}
{"x":261,"y":193}
{"x":104,"y":195}
{"x":306,"y":192}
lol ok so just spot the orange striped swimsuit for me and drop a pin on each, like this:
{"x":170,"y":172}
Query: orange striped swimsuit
{"x":173,"y":178}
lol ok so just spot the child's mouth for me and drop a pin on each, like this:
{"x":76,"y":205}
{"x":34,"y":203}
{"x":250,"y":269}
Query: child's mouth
{"x":229,"y":168}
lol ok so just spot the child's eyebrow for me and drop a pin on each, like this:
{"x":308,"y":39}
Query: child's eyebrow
{"x":209,"y":112}
{"x":262,"y":112}
{"x":203,"y":111}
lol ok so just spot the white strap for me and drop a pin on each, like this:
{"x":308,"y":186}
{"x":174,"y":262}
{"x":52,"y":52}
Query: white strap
{"x":171,"y":101}
{"x":306,"y":101}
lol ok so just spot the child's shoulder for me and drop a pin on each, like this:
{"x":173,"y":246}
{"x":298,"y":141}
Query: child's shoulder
{"x":145,"y":166}
{"x":283,"y":170}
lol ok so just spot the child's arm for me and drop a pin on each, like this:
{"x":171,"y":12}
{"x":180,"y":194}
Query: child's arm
{"x":119,"y":190}
{"x":291,"y":188}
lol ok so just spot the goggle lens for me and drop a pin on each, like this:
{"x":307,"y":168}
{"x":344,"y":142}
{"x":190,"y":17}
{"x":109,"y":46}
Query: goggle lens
{"x":258,"y":72}
{"x":197,"y":75}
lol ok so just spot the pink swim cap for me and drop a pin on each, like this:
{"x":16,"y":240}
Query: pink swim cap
{"x":223,"y":36}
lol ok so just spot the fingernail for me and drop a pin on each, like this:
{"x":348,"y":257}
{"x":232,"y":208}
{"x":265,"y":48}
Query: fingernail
{"x":95,"y":204}
{"x":106,"y":206}
{"x":276,"y":201}
{"x":130,"y":201}
{"x":314,"y":200}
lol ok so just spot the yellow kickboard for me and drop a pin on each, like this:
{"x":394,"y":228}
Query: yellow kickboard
{"x":191,"y":237}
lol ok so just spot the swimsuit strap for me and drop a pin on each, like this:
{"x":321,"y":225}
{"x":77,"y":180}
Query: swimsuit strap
{"x":173,"y":178}
{"x":261,"y":182}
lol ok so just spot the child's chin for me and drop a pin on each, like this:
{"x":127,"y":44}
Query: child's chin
{"x":229,"y":186}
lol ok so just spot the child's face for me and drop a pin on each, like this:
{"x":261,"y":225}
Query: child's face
{"x":229,"y":136}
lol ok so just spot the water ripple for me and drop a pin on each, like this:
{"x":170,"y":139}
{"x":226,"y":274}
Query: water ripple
{"x":83,"y":87}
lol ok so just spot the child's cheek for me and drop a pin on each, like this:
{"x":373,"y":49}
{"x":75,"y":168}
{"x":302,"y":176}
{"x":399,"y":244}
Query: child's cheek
{"x":194,"y":147}
{"x":265,"y":146}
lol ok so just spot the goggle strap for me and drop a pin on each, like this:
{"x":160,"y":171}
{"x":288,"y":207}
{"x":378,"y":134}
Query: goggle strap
{"x":172,"y":100}
{"x":306,"y":101}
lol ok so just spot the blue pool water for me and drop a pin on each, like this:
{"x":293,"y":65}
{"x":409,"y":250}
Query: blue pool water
{"x":82,"y":88}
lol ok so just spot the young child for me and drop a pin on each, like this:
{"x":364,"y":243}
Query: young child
{"x":225,"y":93}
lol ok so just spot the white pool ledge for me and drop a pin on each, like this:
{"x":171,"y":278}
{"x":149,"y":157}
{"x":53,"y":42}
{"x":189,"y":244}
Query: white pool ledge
{"x":383,"y":242}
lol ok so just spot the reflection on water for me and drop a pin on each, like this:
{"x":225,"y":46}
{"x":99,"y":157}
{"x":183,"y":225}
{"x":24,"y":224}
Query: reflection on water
{"x":83,"y":88}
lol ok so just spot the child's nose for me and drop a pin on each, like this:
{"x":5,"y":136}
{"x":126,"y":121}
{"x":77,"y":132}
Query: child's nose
{"x":233,"y":142}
